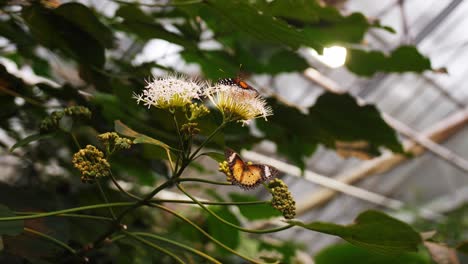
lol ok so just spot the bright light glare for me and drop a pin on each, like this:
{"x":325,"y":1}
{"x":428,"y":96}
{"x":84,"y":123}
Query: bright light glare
{"x":333,"y":57}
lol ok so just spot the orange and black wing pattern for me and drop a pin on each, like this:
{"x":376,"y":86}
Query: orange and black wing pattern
{"x":247,"y":175}
{"x":238,"y":82}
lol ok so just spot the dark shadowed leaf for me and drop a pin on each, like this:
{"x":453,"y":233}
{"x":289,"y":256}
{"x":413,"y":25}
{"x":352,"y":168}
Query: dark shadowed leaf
{"x":402,"y":59}
{"x":372,"y":230}
{"x":254,"y":212}
{"x":145,"y":27}
{"x":10,"y":228}
{"x":25,"y":141}
{"x":81,"y":16}
{"x":73,"y":38}
{"x":343,"y":253}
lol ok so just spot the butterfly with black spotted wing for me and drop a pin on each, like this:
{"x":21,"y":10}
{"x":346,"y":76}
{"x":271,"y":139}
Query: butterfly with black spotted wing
{"x":238,"y":82}
{"x":248,"y":175}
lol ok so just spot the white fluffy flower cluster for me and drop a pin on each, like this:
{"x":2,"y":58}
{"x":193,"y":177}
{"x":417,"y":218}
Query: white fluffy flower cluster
{"x":234,"y":102}
{"x":238,"y":104}
{"x":169,"y":92}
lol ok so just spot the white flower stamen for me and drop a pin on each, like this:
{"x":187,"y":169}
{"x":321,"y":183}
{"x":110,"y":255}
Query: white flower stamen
{"x":238,"y":104}
{"x":169,"y":92}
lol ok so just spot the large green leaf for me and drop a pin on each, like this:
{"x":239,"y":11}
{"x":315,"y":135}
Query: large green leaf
{"x":254,"y":212}
{"x":82,"y":17}
{"x":372,"y":230}
{"x":10,"y":228}
{"x":343,"y":253}
{"x":61,"y":29}
{"x":334,"y":117}
{"x":402,"y":59}
{"x":253,"y":22}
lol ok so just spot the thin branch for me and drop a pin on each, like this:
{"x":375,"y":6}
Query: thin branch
{"x":65,"y":211}
{"x":148,"y":243}
{"x":203,"y":180}
{"x":188,"y":221}
{"x":92,"y":217}
{"x":264,"y":231}
{"x":51,"y":239}
{"x":175,"y":243}
{"x":104,"y":197}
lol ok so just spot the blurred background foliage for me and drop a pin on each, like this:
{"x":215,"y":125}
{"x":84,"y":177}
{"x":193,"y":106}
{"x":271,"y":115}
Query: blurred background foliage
{"x":81,"y":55}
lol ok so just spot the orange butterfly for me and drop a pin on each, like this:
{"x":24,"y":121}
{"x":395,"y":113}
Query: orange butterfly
{"x":247,"y":175}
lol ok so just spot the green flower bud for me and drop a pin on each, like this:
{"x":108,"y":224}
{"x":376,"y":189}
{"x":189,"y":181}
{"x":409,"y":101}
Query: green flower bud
{"x":282,"y":199}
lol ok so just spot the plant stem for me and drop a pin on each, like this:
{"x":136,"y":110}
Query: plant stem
{"x":55,"y":241}
{"x":203,"y":180}
{"x":210,"y":203}
{"x":204,"y":232}
{"x":93,"y":217}
{"x":264,"y":231}
{"x":208,"y":139}
{"x":163,"y":250}
{"x":65,"y":211}
{"x":116,"y":224}
{"x":104,"y":197}
{"x":175,"y":243}
{"x":116,"y":183}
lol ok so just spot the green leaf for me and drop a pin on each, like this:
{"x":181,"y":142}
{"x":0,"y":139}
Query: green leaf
{"x":342,"y":253}
{"x":121,"y":128}
{"x":261,"y":26}
{"x":82,"y":17}
{"x":25,"y":141}
{"x":226,"y":234}
{"x":334,"y":117}
{"x":218,"y":157}
{"x":402,"y":59}
{"x":73,"y":38}
{"x":10,"y":228}
{"x":138,"y":23}
{"x":372,"y":230}
{"x":254,"y":212}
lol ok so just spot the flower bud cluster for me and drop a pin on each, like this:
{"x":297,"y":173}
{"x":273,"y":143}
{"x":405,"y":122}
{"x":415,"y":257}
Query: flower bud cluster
{"x":51,"y":122}
{"x":224,"y":168}
{"x":112,"y":141}
{"x":91,"y":163}
{"x":282,"y":199}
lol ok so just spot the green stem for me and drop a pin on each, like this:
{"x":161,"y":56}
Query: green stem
{"x":104,"y":197}
{"x":210,"y":203}
{"x":163,"y":250}
{"x":114,"y":180}
{"x":65,"y":211}
{"x":203,"y":180}
{"x":264,"y":231}
{"x":175,"y":243}
{"x":208,"y":139}
{"x":55,"y":241}
{"x":116,"y":224}
{"x":204,"y":233}
{"x":93,"y":217}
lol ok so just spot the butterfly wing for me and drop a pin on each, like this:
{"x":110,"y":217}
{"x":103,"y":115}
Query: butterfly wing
{"x":248,"y":176}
